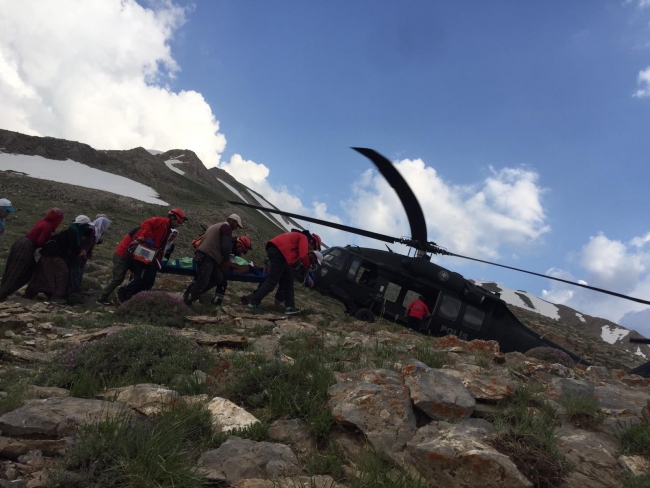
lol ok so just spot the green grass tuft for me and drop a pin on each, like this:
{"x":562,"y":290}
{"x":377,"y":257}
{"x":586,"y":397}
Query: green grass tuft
{"x":583,"y":411}
{"x":636,"y":441}
{"x":259,"y":431}
{"x":426,"y":353}
{"x":154,"y":308}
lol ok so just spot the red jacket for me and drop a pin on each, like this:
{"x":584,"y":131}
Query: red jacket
{"x":417,"y":309}
{"x":156,"y":228}
{"x":41,"y":232}
{"x":294,"y":246}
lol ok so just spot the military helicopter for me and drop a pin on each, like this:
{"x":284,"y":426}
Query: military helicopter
{"x":373,"y":282}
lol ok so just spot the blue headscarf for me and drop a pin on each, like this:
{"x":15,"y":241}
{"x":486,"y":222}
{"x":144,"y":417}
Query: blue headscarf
{"x":4,"y":210}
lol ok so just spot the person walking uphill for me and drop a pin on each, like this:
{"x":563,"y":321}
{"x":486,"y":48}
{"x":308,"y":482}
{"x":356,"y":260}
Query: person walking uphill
{"x":284,"y":252}
{"x":146,"y":250}
{"x":415,"y":313}
{"x":213,"y":249}
{"x":5,"y":209}
{"x":20,"y":262}
{"x":52,"y":275}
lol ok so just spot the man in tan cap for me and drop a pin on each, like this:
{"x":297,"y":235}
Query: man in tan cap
{"x":212,"y":249}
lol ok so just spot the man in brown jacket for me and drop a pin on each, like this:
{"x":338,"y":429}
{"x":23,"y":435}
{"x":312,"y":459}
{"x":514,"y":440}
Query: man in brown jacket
{"x":214,"y":249}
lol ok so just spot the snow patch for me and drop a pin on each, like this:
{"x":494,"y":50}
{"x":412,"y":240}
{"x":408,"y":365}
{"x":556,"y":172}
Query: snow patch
{"x":540,"y":306}
{"x":74,"y":173}
{"x":232,"y":189}
{"x":640,"y":353}
{"x":277,"y":217}
{"x":612,"y":334}
{"x":170,"y":164}
{"x":579,"y":315}
{"x":155,"y":152}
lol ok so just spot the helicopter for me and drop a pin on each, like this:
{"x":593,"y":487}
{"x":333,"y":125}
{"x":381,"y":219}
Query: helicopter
{"x":373,"y":282}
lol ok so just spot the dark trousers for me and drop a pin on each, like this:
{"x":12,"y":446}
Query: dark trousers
{"x":144,"y":276}
{"x":279,"y":273}
{"x":416,"y":324}
{"x":208,"y":275}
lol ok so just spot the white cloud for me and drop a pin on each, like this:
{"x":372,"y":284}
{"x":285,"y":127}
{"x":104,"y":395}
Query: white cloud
{"x":504,"y":210}
{"x":643,"y":80}
{"x":94,"y":71}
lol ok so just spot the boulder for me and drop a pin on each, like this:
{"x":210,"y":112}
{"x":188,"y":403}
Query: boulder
{"x":25,"y":356}
{"x":634,"y":465}
{"x":146,"y":398}
{"x":566,"y":387}
{"x":11,"y":448}
{"x":594,"y":457}
{"x":483,"y":387}
{"x":622,"y":398}
{"x":46,"y":391}
{"x":438,"y":395}
{"x":379,"y":404}
{"x":227,"y":416}
{"x":453,"y":455}
{"x":239,"y":459}
{"x":56,"y":417}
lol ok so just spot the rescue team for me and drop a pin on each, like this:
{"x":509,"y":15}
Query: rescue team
{"x":142,"y":252}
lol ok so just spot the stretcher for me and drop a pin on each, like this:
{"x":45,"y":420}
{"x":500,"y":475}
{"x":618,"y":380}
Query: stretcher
{"x":187,"y":267}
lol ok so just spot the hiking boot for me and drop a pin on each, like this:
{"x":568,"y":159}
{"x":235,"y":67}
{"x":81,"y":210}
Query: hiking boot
{"x":104,"y":301}
{"x":291,"y":310}
{"x":245,"y":299}
{"x":252,"y":308}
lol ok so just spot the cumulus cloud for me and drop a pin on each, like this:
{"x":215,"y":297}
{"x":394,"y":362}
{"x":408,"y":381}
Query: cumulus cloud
{"x":503,"y":210}
{"x":643,"y":80}
{"x":95,"y":71}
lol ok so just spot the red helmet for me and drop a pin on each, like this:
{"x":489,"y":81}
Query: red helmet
{"x":245,"y":243}
{"x":318,"y":240}
{"x":178,"y":214}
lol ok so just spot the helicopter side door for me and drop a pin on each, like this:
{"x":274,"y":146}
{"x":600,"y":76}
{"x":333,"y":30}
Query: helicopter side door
{"x":454,"y":316}
{"x":360,"y":281}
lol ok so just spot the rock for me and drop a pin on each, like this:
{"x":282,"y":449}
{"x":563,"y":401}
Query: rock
{"x":91,"y":336}
{"x":25,"y":356}
{"x":634,"y":465}
{"x":454,"y":455}
{"x":378,"y":403}
{"x":206,"y":319}
{"x":266,"y":344}
{"x":46,"y":391}
{"x":438,"y":395}
{"x":624,"y":398}
{"x":203,"y":339}
{"x":290,"y":328}
{"x":13,"y":484}
{"x":566,"y":387}
{"x":298,"y":482}
{"x":227,"y":416}
{"x":295,"y":433}
{"x":254,"y":323}
{"x":597,"y":373}
{"x":239,"y":459}
{"x":55,"y":417}
{"x":483,"y":387}
{"x":477,"y":345}
{"x":14,"y":448}
{"x":146,"y":398}
{"x":593,"y":456}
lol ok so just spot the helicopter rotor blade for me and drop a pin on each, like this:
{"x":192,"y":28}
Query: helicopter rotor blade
{"x":601,"y":290}
{"x":345,"y":228}
{"x":407,"y":197}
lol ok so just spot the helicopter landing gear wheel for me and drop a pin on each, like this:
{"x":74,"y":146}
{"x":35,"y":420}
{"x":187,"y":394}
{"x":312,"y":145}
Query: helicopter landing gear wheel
{"x":365,"y":314}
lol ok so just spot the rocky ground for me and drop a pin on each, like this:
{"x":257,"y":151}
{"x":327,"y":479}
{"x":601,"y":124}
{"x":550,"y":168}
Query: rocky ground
{"x":315,"y":400}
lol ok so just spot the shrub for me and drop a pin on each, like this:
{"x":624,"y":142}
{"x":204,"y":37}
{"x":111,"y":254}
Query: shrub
{"x":551,"y":355}
{"x":154,"y":308}
{"x":636,"y":441}
{"x":377,"y":472}
{"x":132,"y":355}
{"x":640,"y":481}
{"x":129,"y":452}
{"x":259,"y":431}
{"x":326,"y":462}
{"x":583,"y":411}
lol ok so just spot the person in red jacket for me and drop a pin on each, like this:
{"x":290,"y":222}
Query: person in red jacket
{"x":416,"y":312}
{"x":20,"y":262}
{"x":285,"y":252}
{"x":153,"y":234}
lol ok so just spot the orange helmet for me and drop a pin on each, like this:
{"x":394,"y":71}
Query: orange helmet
{"x":318,"y":240}
{"x":178,"y":214}
{"x":245,"y":243}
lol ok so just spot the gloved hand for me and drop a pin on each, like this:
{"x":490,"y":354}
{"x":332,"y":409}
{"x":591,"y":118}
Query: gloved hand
{"x":149,"y":242}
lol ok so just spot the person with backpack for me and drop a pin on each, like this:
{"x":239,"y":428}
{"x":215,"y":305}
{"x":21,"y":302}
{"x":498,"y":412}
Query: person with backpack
{"x":213,"y":247}
{"x":154,"y":232}
{"x":285,"y":252}
{"x":415,"y":312}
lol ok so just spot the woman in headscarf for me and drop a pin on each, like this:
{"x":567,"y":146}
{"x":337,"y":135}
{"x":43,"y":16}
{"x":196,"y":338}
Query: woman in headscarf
{"x":5,"y":210}
{"x":77,"y":263}
{"x":20,"y":262}
{"x":52,"y":276}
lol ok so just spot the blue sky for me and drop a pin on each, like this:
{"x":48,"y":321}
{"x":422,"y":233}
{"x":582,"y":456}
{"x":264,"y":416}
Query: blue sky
{"x":522,"y":114}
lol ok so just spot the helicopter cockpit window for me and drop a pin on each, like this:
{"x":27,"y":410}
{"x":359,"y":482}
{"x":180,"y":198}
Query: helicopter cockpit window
{"x":473,"y":318}
{"x":335,"y":259}
{"x":449,"y":307}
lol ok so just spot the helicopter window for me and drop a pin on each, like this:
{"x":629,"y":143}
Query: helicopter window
{"x":473,"y":318}
{"x":449,"y":307}
{"x":354,"y":267}
{"x":335,"y":259}
{"x":367,"y":274}
{"x":392,"y":292}
{"x":410,"y":297}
